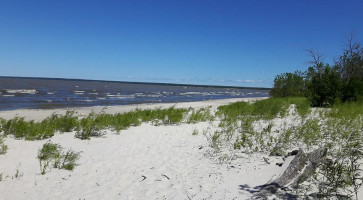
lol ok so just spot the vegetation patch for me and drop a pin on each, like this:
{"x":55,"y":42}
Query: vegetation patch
{"x":53,"y":155}
{"x":3,"y":147}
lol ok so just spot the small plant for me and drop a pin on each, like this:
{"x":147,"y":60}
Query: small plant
{"x":215,"y":140}
{"x":354,"y":152}
{"x":310,"y":132}
{"x":195,"y":132}
{"x":200,"y":115}
{"x":18,"y":174}
{"x":90,"y":126}
{"x":52,"y":154}
{"x":3,"y":147}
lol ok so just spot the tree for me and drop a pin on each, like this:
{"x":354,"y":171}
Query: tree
{"x":323,"y":85}
{"x":288,"y":85}
{"x":350,"y":66}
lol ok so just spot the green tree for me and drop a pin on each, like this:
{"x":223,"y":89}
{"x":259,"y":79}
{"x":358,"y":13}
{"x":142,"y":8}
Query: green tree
{"x":288,"y":85}
{"x":350,"y":66}
{"x":323,"y":85}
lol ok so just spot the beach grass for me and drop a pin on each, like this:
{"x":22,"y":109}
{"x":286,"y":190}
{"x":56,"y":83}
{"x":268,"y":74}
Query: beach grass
{"x":249,"y":127}
{"x":200,"y":115}
{"x":94,"y":124}
{"x":52,"y":154}
{"x":3,"y":146}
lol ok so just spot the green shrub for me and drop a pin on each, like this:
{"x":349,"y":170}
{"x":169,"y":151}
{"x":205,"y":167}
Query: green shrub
{"x":52,"y":154}
{"x":289,"y":85}
{"x":88,"y":127}
{"x":63,"y":123}
{"x":29,"y":130}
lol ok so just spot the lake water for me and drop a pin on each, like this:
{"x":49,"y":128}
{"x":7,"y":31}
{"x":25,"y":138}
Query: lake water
{"x":43,"y":93}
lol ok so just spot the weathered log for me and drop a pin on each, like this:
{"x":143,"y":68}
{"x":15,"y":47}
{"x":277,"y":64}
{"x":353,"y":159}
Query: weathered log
{"x":300,"y":169}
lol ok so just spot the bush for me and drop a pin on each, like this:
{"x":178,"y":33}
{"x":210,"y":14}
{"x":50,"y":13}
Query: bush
{"x":90,"y":126}
{"x":63,"y":123}
{"x":289,"y":85}
{"x":52,"y":154}
{"x":29,"y":130}
{"x":324,"y":85}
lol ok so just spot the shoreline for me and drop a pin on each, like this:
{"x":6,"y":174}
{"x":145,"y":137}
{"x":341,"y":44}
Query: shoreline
{"x":39,"y":114}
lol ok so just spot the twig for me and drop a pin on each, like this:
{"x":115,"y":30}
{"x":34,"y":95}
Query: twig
{"x":143,"y":178}
{"x":165,"y":176}
{"x":266,"y":160}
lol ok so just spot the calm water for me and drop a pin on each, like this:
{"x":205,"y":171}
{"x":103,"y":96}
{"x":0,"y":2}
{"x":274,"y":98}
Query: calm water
{"x":16,"y":93}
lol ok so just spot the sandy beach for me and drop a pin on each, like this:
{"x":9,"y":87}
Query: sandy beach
{"x":143,"y":162}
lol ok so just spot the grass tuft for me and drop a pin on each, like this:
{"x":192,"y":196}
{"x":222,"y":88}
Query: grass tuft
{"x":52,"y":154}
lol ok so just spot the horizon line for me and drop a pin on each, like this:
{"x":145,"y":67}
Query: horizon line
{"x":139,"y":82}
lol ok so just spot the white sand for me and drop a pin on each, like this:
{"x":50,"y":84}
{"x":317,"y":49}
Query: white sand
{"x":176,"y":164}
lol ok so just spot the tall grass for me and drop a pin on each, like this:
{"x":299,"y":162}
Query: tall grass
{"x":200,"y":115}
{"x":263,"y":109}
{"x":94,"y":124}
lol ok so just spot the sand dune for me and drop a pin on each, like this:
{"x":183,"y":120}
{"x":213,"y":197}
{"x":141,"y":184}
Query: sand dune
{"x":144,"y":162}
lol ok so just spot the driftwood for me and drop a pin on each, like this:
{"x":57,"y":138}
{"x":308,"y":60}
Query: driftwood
{"x":300,"y":169}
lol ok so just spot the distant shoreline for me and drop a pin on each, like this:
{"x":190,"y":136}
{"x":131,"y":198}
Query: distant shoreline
{"x":132,"y":82}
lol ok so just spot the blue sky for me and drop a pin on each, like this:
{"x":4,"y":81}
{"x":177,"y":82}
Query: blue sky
{"x":239,"y":43}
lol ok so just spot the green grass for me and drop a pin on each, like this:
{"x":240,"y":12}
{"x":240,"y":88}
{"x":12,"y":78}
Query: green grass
{"x":263,"y":109}
{"x":53,"y":155}
{"x":200,"y":115}
{"x":63,"y":123}
{"x":29,"y":130}
{"x":94,"y":124}
{"x":3,"y":147}
{"x":302,"y":105}
{"x":346,"y":110}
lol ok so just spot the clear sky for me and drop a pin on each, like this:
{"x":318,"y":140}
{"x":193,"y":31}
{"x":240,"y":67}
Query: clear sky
{"x":217,"y":42}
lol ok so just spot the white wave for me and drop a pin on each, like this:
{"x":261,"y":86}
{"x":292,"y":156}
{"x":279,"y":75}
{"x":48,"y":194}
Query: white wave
{"x":8,"y":95}
{"x":154,"y":95}
{"x":93,"y":93}
{"x":119,"y":96}
{"x":21,"y":91}
{"x":190,"y":93}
